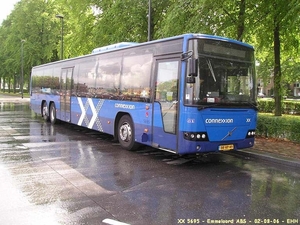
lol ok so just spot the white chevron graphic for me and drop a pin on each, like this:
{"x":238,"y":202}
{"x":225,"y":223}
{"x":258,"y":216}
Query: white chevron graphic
{"x":83,"y":112}
{"x":95,"y":110}
{"x":91,"y":124}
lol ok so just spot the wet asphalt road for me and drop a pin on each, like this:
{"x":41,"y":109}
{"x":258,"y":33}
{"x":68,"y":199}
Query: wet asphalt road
{"x":65,"y":174}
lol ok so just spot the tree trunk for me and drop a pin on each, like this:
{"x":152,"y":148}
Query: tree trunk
{"x":3,"y":84}
{"x":241,"y":20}
{"x":9,"y":85}
{"x":15,"y":84}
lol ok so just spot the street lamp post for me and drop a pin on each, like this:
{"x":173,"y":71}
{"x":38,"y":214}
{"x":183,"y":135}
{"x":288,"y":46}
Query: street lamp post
{"x":22,"y":66}
{"x":61,"y":17}
{"x":149,"y":20}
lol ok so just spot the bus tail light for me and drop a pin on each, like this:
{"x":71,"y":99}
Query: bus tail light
{"x":195,"y":136}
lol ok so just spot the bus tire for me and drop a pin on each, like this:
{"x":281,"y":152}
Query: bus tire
{"x":45,"y":112}
{"x":126,"y":133}
{"x":52,"y":114}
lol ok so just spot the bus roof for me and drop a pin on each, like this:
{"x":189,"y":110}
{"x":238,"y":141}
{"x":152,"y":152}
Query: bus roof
{"x":114,"y":46}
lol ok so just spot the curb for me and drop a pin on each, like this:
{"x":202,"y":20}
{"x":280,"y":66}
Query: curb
{"x":267,"y":157}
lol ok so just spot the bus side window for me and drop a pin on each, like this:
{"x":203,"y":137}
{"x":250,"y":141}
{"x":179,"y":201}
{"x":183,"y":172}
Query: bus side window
{"x":108,"y":70}
{"x":167,"y":82}
{"x":135,"y":78}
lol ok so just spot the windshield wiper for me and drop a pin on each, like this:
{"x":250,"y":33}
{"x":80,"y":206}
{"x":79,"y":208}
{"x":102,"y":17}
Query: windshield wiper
{"x":228,"y":104}
{"x":242,"y":103}
{"x":208,"y":106}
{"x":211,"y":69}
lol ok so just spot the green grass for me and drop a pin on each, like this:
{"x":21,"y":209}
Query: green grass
{"x":25,"y":95}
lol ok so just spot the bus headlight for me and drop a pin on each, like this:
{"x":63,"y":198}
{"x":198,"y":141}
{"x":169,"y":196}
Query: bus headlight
{"x":195,"y":136}
{"x":250,"y":134}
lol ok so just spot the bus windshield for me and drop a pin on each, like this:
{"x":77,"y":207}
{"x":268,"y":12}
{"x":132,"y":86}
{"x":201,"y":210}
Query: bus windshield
{"x":226,"y":75}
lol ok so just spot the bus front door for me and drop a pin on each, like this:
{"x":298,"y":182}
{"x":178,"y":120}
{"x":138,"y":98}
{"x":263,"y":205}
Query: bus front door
{"x":65,"y":93}
{"x":165,"y":110}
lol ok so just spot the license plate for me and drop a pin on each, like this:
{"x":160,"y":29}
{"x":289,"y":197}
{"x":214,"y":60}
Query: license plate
{"x":226,"y":147}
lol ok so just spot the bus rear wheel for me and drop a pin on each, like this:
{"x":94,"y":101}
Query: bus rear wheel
{"x":45,"y":113}
{"x":52,"y":113}
{"x":126,"y":133}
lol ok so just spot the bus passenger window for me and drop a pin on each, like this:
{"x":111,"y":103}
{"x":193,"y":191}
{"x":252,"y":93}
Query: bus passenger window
{"x":135,"y":78}
{"x":108,"y":72}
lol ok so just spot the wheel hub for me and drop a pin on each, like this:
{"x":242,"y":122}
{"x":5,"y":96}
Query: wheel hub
{"x":45,"y":111}
{"x":125,"y":132}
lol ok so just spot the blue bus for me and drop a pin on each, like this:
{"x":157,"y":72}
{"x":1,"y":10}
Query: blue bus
{"x":186,"y":94}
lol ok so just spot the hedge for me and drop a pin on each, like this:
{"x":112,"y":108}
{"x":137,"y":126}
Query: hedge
{"x":282,"y":127}
{"x":287,"y":106}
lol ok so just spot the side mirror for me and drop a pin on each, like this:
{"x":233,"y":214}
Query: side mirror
{"x":193,"y":67}
{"x":190,"y":80}
{"x":193,"y":71}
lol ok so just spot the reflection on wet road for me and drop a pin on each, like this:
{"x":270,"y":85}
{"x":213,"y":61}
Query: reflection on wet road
{"x":65,"y":174}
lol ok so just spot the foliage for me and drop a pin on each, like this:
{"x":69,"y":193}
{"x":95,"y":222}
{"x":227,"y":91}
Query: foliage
{"x":88,"y":24}
{"x":29,"y":26}
{"x":127,"y":20}
{"x":283,"y":127}
{"x":275,"y":26}
{"x":79,"y":22}
{"x":266,"y":106}
{"x":223,"y":18}
{"x":287,"y":106}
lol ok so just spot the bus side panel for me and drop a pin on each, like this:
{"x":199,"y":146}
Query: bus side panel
{"x":36,"y":100}
{"x":100,"y":115}
{"x":85,"y":112}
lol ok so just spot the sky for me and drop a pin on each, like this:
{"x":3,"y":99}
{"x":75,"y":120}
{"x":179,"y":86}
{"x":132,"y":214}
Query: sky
{"x":5,"y":8}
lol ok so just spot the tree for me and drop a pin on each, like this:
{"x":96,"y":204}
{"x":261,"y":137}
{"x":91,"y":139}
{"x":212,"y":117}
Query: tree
{"x":79,"y":25}
{"x":127,"y":20}
{"x":32,"y":21}
{"x":274,"y":25}
{"x":224,"y":18}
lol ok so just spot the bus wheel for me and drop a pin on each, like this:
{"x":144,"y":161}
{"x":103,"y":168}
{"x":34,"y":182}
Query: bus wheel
{"x":52,"y":113}
{"x":126,"y":133}
{"x":45,"y":112}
